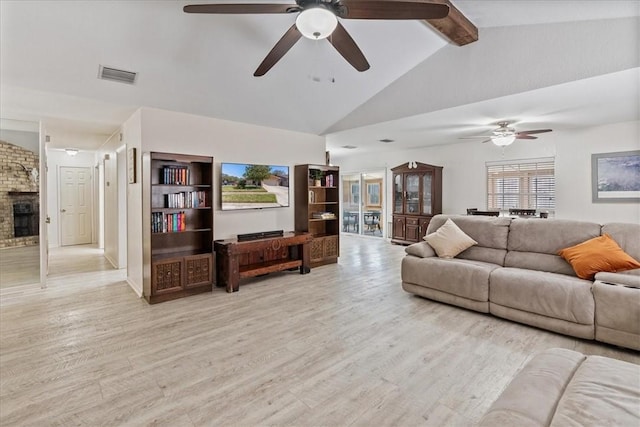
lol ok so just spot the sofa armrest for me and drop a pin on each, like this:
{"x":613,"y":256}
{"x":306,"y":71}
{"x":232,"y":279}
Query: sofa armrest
{"x":629,"y":278}
{"x":421,"y":250}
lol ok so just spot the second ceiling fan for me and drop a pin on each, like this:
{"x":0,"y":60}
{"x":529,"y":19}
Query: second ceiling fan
{"x":505,"y":135}
{"x":318,"y":19}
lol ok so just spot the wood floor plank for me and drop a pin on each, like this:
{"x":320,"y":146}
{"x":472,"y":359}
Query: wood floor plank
{"x":341,"y":346}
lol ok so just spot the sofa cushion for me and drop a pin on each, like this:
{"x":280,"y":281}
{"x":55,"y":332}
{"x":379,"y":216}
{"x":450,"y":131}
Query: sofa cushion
{"x":617,"y":319}
{"x":547,"y":294}
{"x":626,"y":278}
{"x":490,"y":233}
{"x":539,"y":262}
{"x":420,"y":249}
{"x":603,"y":392}
{"x":545,"y":236}
{"x":531,"y":397}
{"x":627,"y":236}
{"x":448,"y":240}
{"x":464,"y":278}
{"x":601,"y":253}
{"x":560,"y":387}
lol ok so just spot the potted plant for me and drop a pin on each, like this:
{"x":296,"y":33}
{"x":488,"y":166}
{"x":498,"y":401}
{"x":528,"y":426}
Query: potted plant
{"x":316,"y":175}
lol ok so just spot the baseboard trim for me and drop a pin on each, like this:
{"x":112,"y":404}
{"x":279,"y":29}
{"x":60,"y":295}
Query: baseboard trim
{"x":113,"y":264}
{"x":134,"y":286}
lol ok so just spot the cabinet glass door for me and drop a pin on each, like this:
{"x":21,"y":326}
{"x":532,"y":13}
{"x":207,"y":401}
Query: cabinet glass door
{"x":412,"y":201}
{"x":398,"y":190}
{"x":426,"y":194}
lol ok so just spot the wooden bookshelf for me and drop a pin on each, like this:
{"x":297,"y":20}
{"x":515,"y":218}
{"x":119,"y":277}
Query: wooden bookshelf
{"x":178,"y":210}
{"x":313,"y":197}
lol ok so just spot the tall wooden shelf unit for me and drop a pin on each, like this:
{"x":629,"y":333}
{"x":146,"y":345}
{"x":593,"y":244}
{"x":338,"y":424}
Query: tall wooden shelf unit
{"x":417,"y":197}
{"x":177,"y":225}
{"x":312,"y":197}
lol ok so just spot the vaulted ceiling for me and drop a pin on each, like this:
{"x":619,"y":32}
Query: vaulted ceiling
{"x":528,"y":65}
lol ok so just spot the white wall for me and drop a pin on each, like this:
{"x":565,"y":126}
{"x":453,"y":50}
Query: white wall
{"x":165,"y":131}
{"x":464,"y":173}
{"x":55,"y":160}
{"x":108,"y":158}
{"x":227,"y":141}
{"x":121,"y":158}
{"x":132,"y":137}
{"x":573,"y":180}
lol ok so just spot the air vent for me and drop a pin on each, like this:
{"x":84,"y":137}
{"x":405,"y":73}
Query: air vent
{"x":115,"y":75}
{"x":349,"y":147}
{"x":386,"y":140}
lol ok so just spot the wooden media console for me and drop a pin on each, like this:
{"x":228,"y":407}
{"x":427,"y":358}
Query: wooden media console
{"x":238,"y":260}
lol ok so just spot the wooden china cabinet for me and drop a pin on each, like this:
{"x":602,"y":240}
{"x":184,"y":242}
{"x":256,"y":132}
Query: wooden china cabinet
{"x":417,"y":197}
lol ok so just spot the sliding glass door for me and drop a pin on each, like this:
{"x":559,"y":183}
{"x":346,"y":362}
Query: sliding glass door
{"x":362,"y":203}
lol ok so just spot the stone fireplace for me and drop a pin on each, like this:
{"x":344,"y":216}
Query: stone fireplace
{"x":19,"y":196}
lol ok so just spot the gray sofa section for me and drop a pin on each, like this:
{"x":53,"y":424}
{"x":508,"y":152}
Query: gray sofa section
{"x":515,"y":273}
{"x":561,"y":387}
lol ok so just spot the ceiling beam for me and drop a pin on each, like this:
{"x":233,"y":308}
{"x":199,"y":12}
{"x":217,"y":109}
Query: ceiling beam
{"x":455,"y":27}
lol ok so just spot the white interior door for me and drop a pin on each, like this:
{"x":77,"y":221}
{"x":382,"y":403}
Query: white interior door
{"x":75,"y":205}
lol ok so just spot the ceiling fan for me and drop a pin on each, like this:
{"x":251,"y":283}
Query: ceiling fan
{"x":318,"y":19}
{"x":505,"y":135}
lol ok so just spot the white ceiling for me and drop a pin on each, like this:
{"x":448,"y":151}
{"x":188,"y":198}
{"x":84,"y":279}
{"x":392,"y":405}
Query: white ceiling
{"x":50,"y":53}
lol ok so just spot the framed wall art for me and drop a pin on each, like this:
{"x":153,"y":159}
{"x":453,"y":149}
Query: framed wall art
{"x":615,"y":177}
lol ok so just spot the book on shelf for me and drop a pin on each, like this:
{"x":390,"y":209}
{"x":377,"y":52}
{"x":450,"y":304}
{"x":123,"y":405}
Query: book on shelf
{"x":323,"y":215}
{"x":168,"y":223}
{"x":187,"y":199}
{"x":329,"y":180}
{"x":175,"y":175}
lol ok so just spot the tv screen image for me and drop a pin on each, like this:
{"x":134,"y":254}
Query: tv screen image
{"x":252,"y":186}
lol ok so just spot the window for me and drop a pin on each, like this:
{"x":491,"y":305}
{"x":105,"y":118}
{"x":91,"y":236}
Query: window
{"x":373,"y":194}
{"x":525,"y":184}
{"x":355,"y":194}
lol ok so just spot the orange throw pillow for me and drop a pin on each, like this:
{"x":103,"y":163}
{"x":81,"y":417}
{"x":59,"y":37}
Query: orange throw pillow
{"x":598,"y":254}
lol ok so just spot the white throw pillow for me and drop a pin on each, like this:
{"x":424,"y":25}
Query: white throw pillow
{"x":448,"y":241}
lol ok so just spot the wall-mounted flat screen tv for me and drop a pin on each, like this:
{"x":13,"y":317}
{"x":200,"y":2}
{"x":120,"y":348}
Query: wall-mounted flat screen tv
{"x":251,"y":186}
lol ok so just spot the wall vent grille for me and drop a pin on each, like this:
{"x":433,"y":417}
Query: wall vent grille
{"x":116,"y":75}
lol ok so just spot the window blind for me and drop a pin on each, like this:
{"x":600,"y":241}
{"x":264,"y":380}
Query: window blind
{"x":525,"y":184}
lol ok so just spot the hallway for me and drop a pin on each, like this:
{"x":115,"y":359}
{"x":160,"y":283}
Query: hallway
{"x":71,"y":268}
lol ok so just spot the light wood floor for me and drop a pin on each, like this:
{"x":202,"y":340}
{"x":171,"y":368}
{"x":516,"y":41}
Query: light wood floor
{"x":19,"y":265}
{"x":342,"y":346}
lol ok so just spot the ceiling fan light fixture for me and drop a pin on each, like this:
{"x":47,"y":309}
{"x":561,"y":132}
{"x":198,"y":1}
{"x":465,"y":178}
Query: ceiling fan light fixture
{"x":503,"y":140}
{"x":316,"y":23}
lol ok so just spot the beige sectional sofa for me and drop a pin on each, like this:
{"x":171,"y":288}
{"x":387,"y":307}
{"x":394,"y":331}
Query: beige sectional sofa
{"x":561,"y":387}
{"x":514,"y":272}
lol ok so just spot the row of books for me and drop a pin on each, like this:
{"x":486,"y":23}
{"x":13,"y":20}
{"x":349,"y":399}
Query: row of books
{"x":324,"y":215}
{"x":167,"y":223}
{"x":175,"y":175}
{"x":329,"y":180}
{"x":186,"y":199}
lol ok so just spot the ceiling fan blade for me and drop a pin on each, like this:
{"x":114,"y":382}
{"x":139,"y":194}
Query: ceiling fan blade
{"x":530,"y":132}
{"x":473,"y":137}
{"x":519,"y":136}
{"x":486,"y":140}
{"x":284,"y":44}
{"x":342,"y":41}
{"x":239,"y":8}
{"x":384,"y":9}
